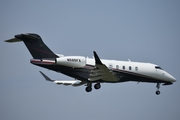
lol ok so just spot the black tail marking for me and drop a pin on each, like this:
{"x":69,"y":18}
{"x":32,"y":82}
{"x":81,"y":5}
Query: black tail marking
{"x":36,"y":46}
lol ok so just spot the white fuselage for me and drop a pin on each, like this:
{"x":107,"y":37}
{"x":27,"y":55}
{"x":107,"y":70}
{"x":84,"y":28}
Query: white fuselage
{"x":145,"y":69}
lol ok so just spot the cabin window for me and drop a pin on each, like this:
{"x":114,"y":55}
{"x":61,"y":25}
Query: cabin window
{"x":117,"y":66}
{"x":129,"y":67}
{"x":136,"y":68}
{"x":123,"y":67}
{"x":110,"y":66}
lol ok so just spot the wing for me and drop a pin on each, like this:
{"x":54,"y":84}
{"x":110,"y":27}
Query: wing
{"x":64,"y":82}
{"x":101,"y":72}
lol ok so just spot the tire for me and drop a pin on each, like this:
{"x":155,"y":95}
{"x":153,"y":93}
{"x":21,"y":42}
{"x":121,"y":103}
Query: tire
{"x":97,"y":86}
{"x":88,"y":89}
{"x":158,"y":92}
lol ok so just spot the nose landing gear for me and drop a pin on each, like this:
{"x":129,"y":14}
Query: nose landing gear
{"x":157,"y":91}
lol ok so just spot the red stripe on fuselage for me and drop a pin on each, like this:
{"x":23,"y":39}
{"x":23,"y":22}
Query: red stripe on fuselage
{"x":46,"y":62}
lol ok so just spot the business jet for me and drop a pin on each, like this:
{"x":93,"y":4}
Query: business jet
{"x":87,"y":71}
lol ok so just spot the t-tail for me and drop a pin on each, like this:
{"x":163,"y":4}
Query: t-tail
{"x":35,"y":45}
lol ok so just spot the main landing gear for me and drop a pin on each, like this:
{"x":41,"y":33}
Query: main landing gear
{"x":157,"y":91}
{"x":89,"y":87}
{"x":97,"y":86}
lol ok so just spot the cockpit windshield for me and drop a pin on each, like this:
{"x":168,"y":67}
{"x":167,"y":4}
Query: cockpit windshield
{"x":158,"y":67}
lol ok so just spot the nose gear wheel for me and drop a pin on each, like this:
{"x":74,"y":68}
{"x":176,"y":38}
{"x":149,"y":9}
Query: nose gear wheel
{"x":157,"y":91}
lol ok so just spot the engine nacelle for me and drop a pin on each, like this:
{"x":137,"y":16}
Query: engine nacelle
{"x":71,"y":61}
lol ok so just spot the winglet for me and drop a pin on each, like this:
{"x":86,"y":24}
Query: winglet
{"x":46,"y":77}
{"x":97,"y":60}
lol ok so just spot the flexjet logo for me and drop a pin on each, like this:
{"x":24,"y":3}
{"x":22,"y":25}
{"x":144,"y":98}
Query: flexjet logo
{"x":73,"y":60}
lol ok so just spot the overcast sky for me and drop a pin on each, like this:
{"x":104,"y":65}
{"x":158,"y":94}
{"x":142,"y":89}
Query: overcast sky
{"x":144,"y":31}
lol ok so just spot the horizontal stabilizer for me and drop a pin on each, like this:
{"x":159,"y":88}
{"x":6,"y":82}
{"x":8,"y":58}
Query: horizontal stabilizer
{"x":46,"y":77}
{"x":73,"y":82}
{"x":13,"y":40}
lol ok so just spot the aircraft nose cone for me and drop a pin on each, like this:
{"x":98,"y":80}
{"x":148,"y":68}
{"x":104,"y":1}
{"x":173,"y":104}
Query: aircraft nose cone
{"x":173,"y":79}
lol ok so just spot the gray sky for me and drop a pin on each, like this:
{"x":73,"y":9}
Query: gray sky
{"x":144,"y":31}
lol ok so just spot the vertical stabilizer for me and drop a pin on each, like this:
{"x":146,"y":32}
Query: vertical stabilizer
{"x":35,"y":45}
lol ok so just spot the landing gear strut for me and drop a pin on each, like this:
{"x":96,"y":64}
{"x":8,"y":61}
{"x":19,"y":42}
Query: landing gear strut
{"x":157,"y":91}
